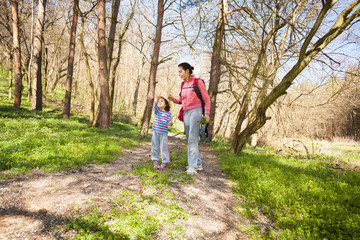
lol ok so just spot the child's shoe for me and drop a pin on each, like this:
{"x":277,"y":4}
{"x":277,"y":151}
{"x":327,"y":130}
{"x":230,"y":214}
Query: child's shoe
{"x":163,"y":166}
{"x":156,"y":165}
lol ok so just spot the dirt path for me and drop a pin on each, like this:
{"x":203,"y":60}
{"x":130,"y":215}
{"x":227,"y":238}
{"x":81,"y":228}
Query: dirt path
{"x":31,"y":206}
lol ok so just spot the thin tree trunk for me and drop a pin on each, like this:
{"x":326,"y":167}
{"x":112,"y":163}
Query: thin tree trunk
{"x":137,"y":86}
{"x":114,"y":16}
{"x":88,"y":71}
{"x":69,"y":76}
{"x":113,"y":71}
{"x":46,"y":72}
{"x":216,"y":64}
{"x":29,"y":76}
{"x":153,"y":70}
{"x":17,"y":55}
{"x":103,"y":119}
{"x":36,"y":101}
{"x":10,"y":74}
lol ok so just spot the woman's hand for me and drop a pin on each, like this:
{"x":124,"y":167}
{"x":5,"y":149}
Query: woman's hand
{"x":171,"y":98}
{"x":207,"y":117}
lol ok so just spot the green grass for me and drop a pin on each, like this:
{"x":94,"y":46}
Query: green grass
{"x":160,"y":180}
{"x":44,"y":140}
{"x":304,"y":198}
{"x":132,"y":216}
{"x":141,"y":215}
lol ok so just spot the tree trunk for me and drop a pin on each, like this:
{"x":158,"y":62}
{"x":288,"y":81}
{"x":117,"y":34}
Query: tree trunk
{"x":103,"y":120}
{"x":153,"y":69}
{"x":17,"y":55}
{"x":216,"y":64}
{"x":46,"y":71}
{"x":113,"y":71}
{"x":10,"y":75}
{"x":137,"y":86}
{"x":69,"y":76}
{"x":36,"y":101}
{"x":88,"y":71}
{"x":114,"y":17}
{"x":29,"y":76}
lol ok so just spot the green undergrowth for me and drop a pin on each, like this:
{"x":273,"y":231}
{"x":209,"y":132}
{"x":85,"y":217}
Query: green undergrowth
{"x":140,"y":214}
{"x":302,"y":198}
{"x":132,"y":216}
{"x":44,"y":140}
{"x":162,"y":179}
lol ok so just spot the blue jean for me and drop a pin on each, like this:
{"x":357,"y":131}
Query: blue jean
{"x":159,"y":141}
{"x":192,"y":120}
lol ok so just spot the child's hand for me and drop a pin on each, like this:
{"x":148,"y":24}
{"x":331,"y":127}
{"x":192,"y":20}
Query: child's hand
{"x":170,"y":123}
{"x":171,"y":98}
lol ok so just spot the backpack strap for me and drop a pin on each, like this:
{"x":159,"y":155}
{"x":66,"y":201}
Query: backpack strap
{"x":198,"y":94}
{"x":182,"y":84}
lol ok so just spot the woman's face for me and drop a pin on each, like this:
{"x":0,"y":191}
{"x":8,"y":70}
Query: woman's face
{"x":184,"y":74}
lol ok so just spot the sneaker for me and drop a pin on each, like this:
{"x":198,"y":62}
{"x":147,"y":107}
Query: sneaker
{"x":191,"y":171}
{"x":163,"y":166}
{"x":199,"y":167}
{"x":156,"y":165}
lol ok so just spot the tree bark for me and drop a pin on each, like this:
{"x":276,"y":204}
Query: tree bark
{"x":69,"y":76}
{"x":17,"y":55}
{"x":36,"y":101}
{"x":103,"y":120}
{"x":216,"y":64}
{"x":153,"y":69}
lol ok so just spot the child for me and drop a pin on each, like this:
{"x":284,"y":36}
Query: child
{"x":159,"y":138}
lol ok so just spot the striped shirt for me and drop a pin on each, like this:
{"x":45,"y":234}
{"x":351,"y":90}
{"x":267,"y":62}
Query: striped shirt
{"x":162,"y":119}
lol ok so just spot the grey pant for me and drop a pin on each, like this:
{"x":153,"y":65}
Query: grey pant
{"x":159,"y":143}
{"x":192,"y":120}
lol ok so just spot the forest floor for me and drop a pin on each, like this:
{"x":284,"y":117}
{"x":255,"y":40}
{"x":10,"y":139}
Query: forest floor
{"x":38,"y":205}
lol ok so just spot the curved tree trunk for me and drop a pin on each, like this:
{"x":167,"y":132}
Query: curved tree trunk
{"x":153,"y":69}
{"x":350,"y":14}
{"x":69,"y":76}
{"x":36,"y":101}
{"x":17,"y":55}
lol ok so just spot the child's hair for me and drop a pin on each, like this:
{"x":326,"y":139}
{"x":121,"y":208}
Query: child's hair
{"x":167,"y":104}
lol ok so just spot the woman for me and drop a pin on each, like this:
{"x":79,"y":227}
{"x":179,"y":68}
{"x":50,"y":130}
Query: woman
{"x":192,"y":107}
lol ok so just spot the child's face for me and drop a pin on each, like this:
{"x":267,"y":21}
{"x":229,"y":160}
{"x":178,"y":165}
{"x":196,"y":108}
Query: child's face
{"x":161,"y":103}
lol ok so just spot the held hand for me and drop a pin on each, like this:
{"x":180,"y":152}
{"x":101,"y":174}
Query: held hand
{"x":207,"y":117}
{"x":171,"y":98}
{"x":170,"y":123}
{"x":157,"y":98}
